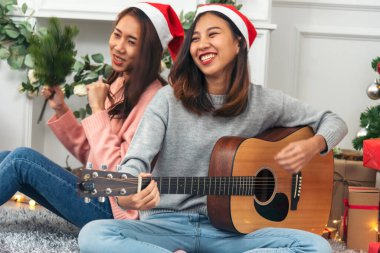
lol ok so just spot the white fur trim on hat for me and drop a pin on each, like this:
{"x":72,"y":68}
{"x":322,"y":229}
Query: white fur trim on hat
{"x":238,"y":21}
{"x":159,"y":22}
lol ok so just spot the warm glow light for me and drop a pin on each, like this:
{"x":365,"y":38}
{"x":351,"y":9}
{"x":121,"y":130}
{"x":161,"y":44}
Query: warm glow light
{"x":335,"y":221}
{"x":32,"y":203}
{"x":18,"y":197}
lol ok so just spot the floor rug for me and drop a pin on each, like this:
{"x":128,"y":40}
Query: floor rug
{"x":40,"y":231}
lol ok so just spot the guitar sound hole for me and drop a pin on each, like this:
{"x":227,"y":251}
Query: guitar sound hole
{"x":265,"y":185}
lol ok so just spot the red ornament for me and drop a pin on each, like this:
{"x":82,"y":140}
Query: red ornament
{"x":378,"y":67}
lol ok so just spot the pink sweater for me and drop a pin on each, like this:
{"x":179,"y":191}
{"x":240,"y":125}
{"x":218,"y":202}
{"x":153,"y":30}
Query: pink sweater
{"x":99,"y":139}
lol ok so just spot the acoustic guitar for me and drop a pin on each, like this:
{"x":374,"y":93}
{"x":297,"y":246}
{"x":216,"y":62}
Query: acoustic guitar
{"x":247,"y":190}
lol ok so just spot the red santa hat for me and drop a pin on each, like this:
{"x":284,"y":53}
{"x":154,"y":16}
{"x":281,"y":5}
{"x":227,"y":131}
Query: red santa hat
{"x":244,"y":25}
{"x":166,"y":23}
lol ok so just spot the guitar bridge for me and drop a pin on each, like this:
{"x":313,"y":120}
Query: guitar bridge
{"x":296,"y":190}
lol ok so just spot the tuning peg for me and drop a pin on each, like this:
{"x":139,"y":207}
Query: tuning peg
{"x":87,"y":200}
{"x":122,"y":191}
{"x":101,"y":199}
{"x":118,"y":167}
{"x":89,"y":166}
{"x":103,"y":167}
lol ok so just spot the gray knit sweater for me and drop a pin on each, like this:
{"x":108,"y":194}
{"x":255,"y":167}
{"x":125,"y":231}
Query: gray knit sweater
{"x":185,"y":140}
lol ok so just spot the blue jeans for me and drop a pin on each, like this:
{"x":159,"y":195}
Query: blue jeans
{"x":167,"y":232}
{"x":50,"y":185}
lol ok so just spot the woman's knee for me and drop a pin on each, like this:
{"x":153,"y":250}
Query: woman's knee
{"x":320,"y":244}
{"x":4,"y":154}
{"x":92,"y":234}
{"x":24,"y":152}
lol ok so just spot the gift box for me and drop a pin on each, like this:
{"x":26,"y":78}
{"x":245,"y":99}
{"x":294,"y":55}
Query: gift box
{"x":329,"y":233}
{"x":361,"y":218}
{"x":347,"y":173}
{"x":371,"y":153}
{"x":374,"y":247}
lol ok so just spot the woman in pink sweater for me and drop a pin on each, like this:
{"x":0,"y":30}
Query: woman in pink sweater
{"x":140,"y":35}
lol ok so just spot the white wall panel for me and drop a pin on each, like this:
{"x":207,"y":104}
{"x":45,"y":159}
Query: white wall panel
{"x":322,"y":53}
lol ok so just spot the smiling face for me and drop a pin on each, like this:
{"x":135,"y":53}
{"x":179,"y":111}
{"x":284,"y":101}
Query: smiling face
{"x":213,"y":46}
{"x":124,"y":43}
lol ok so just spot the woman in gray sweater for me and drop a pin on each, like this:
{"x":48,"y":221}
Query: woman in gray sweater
{"x":210,"y":97}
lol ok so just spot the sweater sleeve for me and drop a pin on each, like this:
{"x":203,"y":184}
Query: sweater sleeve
{"x":107,"y":147}
{"x":325,"y":123}
{"x":148,"y":138}
{"x":71,"y":134}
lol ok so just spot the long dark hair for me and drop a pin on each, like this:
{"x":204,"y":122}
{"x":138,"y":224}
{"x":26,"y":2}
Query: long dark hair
{"x":146,"y":66}
{"x":189,"y":82}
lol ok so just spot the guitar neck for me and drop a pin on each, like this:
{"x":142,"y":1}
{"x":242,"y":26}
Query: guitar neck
{"x":244,"y":185}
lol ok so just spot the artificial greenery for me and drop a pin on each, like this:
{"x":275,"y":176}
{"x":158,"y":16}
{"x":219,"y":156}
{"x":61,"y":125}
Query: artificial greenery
{"x":14,"y":35}
{"x":370,"y":120}
{"x":86,"y":73}
{"x":53,"y":53}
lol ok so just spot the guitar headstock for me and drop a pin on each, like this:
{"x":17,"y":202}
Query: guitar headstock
{"x":102,"y":183}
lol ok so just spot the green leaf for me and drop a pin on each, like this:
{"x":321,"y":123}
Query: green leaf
{"x":7,"y":2}
{"x":78,"y":66}
{"x":98,"y":68}
{"x":77,"y":114}
{"x":18,"y":50}
{"x":4,"y":53}
{"x":92,"y":75}
{"x":82,"y":113}
{"x":88,"y":109}
{"x":28,"y":61}
{"x":11,"y":31}
{"x":69,"y":90}
{"x":86,"y":59}
{"x":25,"y":29}
{"x":98,"y":58}
{"x":107,"y":71}
{"x":24,"y":8}
{"x":16,"y":62}
{"x":10,"y":7}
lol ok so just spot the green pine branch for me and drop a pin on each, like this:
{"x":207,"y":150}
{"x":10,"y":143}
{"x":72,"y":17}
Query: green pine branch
{"x":370,"y":119}
{"x":53,"y":53}
{"x":374,"y":63}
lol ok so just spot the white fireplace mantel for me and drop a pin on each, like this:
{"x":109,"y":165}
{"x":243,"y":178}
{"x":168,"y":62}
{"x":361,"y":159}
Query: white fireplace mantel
{"x":257,"y":10}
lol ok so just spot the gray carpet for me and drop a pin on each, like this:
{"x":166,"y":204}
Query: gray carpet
{"x":40,"y":231}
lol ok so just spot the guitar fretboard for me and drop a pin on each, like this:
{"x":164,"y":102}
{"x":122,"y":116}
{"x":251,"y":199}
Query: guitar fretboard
{"x":244,"y":185}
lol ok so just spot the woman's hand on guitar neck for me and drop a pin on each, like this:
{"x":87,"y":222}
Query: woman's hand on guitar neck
{"x":146,"y":199}
{"x":296,"y":155}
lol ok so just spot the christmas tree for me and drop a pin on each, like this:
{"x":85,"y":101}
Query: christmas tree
{"x":370,"y":119}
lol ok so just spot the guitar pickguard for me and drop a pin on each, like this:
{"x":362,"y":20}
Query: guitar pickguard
{"x":276,"y":210}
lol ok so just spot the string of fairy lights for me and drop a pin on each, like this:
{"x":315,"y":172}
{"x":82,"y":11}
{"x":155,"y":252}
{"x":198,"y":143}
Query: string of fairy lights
{"x":22,"y":199}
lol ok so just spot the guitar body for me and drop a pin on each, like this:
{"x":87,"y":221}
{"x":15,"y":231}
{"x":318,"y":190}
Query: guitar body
{"x":275,"y":204}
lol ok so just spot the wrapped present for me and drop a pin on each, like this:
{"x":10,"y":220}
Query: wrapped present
{"x":371,"y":153}
{"x":329,"y":233}
{"x":374,"y":247}
{"x":347,"y":173}
{"x":361,"y":217}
